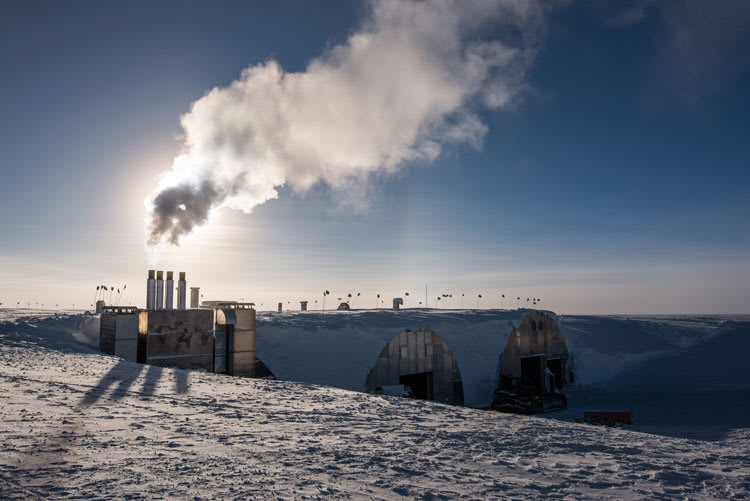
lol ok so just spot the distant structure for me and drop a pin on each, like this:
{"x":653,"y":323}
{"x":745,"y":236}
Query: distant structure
{"x":100,"y":304}
{"x":344,"y":307}
{"x":303,"y":305}
{"x":281,"y":307}
{"x":397,"y":301}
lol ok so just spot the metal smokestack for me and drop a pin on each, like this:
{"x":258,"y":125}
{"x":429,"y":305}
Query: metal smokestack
{"x":168,"y":291}
{"x":150,"y":290}
{"x":181,"y":291}
{"x":195,"y":293}
{"x":159,"y":290}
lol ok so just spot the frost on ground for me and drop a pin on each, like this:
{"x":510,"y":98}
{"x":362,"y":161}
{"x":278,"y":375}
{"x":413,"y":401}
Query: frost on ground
{"x":78,"y":424}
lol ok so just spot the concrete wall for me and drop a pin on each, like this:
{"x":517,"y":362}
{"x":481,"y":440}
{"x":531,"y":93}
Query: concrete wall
{"x":118,"y":335}
{"x":414,"y":352}
{"x":177,"y":338}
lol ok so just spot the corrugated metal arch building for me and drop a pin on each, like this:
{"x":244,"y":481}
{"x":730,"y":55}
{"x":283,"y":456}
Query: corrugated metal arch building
{"x":340,"y":349}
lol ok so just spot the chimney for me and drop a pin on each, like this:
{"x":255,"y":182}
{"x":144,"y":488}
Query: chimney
{"x":181,"y":292}
{"x":195,"y":293}
{"x":150,"y":290}
{"x":281,"y":305}
{"x":168,"y":291}
{"x":159,"y":290}
{"x":303,"y":305}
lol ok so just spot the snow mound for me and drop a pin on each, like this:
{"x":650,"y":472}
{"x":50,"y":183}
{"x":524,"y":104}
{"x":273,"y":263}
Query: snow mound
{"x":715,"y":364}
{"x":59,"y":331}
{"x":602,"y":347}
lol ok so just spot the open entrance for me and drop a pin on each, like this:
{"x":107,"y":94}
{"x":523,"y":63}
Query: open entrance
{"x":223,"y":339}
{"x":422,"y":361}
{"x":420,"y":384}
{"x":557,"y":368}
{"x":532,"y":371}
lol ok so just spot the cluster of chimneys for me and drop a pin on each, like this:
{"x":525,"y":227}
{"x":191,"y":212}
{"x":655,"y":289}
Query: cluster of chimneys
{"x":159,"y":295}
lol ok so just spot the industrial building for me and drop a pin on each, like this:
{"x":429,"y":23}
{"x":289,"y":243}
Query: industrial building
{"x":464,"y":357}
{"x":218,"y":338}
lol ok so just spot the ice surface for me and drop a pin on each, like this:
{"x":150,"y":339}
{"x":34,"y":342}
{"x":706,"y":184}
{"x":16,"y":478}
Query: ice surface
{"x":75,"y":423}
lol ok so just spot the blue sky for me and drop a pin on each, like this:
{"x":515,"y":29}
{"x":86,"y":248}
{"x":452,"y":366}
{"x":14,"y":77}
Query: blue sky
{"x":616,"y":182}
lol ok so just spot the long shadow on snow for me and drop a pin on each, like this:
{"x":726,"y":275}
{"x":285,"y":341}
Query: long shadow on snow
{"x":123,"y":374}
{"x":153,"y":375}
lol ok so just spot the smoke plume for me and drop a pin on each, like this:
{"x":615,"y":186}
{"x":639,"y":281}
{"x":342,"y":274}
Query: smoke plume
{"x":412,"y":79}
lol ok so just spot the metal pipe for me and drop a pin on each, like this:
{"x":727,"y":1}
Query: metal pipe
{"x":181,"y":291}
{"x":159,"y":290}
{"x":150,"y":290}
{"x":195,"y":293}
{"x":168,"y":291}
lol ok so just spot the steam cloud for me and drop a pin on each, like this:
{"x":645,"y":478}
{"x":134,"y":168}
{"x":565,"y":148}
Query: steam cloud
{"x":412,"y":78}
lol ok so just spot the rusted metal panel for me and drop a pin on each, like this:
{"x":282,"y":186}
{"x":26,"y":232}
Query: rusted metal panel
{"x":186,"y":337}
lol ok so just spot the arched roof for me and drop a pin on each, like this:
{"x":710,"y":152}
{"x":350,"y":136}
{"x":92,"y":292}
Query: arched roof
{"x":339,"y":348}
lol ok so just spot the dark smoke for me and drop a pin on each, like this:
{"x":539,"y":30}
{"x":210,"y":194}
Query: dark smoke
{"x":177,"y":210}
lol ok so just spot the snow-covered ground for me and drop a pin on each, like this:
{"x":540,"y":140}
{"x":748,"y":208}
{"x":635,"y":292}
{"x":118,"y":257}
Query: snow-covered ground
{"x":76,"y":423}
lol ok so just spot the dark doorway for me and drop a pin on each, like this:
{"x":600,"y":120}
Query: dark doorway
{"x":557,"y":367}
{"x":229,"y":354}
{"x":420,"y":384}
{"x":458,"y":393}
{"x":532,"y":372}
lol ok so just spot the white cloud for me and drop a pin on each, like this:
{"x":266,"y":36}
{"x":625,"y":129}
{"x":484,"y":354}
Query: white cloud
{"x":411,"y":80}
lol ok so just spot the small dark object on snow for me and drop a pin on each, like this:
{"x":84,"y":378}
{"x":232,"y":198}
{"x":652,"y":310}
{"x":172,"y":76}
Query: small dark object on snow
{"x":607,"y":418}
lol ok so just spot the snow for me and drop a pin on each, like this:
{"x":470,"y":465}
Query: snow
{"x":76,"y":423}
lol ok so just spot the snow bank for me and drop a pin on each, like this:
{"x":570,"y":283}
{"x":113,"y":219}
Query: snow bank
{"x":718,"y":363}
{"x":60,"y":331}
{"x":602,"y":347}
{"x":339,"y":348}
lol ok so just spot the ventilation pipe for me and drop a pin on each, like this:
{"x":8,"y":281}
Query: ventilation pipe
{"x":303,"y":305}
{"x":181,"y":292}
{"x":397,"y":301}
{"x":168,"y":291}
{"x":281,"y":305}
{"x":195,"y":293}
{"x":159,"y":290}
{"x":150,"y":290}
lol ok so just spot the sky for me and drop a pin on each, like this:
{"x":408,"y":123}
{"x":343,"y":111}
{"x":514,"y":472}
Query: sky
{"x":592,"y":154}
